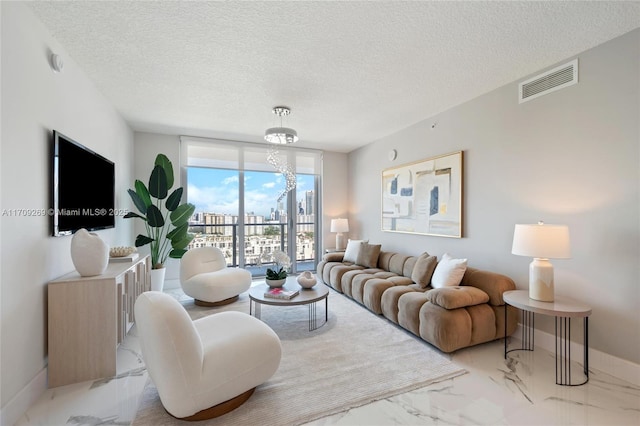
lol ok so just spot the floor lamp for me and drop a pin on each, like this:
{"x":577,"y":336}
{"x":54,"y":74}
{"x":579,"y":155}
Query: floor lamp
{"x":340,"y":226}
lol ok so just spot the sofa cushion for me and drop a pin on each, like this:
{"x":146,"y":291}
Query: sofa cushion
{"x":383,"y":274}
{"x":423,"y":269}
{"x":448,"y":272}
{"x":492,"y":283}
{"x":352,"y":250}
{"x":409,"y":264}
{"x":384,"y":258}
{"x":457,"y":297}
{"x":396,"y":264}
{"x":400,"y":280}
{"x":368,"y":255}
{"x":333,"y":257}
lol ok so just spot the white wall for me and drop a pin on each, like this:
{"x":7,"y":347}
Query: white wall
{"x":335,"y":202}
{"x":35,"y":101}
{"x":570,"y":157}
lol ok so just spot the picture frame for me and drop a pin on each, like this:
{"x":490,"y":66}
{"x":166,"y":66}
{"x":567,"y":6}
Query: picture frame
{"x":424,"y":197}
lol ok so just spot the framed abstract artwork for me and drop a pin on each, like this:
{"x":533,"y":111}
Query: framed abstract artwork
{"x":424,"y":197}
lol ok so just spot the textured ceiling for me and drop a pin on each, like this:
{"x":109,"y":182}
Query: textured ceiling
{"x":352,"y":72}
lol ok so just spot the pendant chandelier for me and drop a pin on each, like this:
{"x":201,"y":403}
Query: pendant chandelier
{"x":281,"y":135}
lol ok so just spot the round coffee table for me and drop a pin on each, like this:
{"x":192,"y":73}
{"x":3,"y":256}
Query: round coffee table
{"x":305,"y":297}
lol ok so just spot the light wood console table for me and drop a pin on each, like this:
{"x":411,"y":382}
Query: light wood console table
{"x":89,"y":317}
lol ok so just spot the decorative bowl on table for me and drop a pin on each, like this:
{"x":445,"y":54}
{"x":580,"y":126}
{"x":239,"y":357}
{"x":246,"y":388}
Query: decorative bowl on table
{"x":121,"y":251}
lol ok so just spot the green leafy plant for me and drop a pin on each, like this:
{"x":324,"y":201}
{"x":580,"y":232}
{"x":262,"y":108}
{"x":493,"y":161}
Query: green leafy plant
{"x":278,"y":274}
{"x":166,"y":220}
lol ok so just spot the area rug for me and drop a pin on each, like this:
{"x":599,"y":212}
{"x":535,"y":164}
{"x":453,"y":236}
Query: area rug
{"x":356,"y":358}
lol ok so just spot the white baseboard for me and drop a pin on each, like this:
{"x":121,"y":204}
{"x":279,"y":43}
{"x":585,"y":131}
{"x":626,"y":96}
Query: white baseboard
{"x":19,"y":404}
{"x":617,"y":367}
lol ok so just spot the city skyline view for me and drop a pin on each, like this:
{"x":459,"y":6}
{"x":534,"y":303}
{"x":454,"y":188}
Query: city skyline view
{"x":217,"y":190}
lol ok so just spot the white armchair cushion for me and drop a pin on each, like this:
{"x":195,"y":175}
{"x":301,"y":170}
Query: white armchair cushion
{"x":204,"y":275}
{"x":218,"y":285}
{"x":199,"y":364}
{"x":201,"y":260}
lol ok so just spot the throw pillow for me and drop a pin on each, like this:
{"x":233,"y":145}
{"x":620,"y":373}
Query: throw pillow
{"x":352,"y":250}
{"x":423,"y":269}
{"x":449,"y":272}
{"x":368,"y":256}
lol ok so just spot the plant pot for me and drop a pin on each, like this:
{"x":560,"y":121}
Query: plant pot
{"x":275,"y":283}
{"x":157,"y":279}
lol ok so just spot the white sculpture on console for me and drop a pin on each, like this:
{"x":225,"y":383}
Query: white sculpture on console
{"x":90,"y":255}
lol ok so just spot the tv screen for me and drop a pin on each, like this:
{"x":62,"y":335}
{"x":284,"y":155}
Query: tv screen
{"x":83,"y":188}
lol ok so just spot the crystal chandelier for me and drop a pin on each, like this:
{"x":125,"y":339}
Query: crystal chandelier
{"x":281,"y":135}
{"x":282,"y":166}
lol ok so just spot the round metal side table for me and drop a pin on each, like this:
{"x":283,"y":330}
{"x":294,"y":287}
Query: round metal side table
{"x":562,"y":309}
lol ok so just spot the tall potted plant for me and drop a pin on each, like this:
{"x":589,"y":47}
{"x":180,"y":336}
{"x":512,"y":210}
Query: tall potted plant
{"x":166,"y":220}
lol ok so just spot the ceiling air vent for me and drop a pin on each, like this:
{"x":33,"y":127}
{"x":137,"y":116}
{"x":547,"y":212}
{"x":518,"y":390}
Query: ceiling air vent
{"x":558,"y":78}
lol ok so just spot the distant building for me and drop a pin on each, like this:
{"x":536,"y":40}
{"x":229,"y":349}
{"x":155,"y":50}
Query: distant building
{"x":309,"y":197}
{"x":219,"y":224}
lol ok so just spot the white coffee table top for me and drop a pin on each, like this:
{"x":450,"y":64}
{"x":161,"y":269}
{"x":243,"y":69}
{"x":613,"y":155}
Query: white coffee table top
{"x":560,"y":307}
{"x":317,"y":292}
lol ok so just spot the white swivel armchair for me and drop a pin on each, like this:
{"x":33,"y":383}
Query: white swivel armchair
{"x":207,"y":367}
{"x":204,"y":275}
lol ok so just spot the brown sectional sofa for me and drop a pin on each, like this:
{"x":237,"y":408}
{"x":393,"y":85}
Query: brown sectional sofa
{"x":449,"y":318}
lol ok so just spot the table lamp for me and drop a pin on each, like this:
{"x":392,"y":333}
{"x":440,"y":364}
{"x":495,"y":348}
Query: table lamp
{"x":339,"y":226}
{"x":542,"y":242}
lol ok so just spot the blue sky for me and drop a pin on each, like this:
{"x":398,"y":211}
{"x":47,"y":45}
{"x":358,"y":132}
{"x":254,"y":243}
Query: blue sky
{"x":216,"y":190}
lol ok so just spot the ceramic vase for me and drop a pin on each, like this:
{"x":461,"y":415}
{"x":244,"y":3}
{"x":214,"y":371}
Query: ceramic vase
{"x":89,"y":254}
{"x":275,"y":283}
{"x":306,"y":280}
{"x":157,"y":279}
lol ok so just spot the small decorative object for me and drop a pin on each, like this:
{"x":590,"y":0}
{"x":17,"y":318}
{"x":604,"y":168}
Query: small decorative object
{"x":121,"y":251}
{"x":277,"y":275}
{"x":280,"y":293}
{"x":89,"y":254}
{"x":306,"y":280}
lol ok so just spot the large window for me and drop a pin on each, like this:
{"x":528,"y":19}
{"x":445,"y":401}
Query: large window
{"x":235,"y":191}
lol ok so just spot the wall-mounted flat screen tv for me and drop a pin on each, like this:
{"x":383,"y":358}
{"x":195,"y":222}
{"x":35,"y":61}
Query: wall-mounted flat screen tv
{"x":83,"y":185}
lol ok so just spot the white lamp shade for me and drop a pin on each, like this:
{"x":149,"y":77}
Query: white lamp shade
{"x":542,"y":241}
{"x":339,"y":225}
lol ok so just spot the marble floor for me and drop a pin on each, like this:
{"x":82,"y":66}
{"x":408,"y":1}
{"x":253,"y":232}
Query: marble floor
{"x":520,"y":390}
